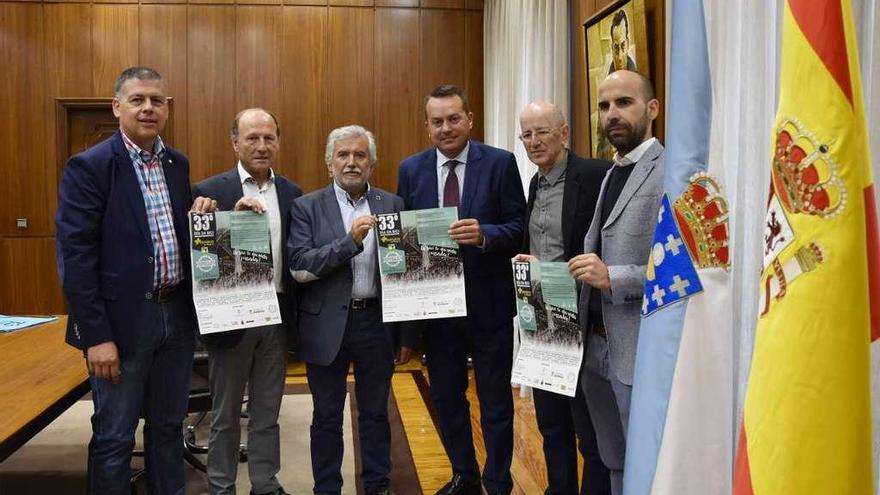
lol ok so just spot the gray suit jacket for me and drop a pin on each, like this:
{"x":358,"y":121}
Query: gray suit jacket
{"x":320,"y":250}
{"x":626,"y":239}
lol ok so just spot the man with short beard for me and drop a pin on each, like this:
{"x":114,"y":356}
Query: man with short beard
{"x":332,"y":245}
{"x":616,"y":248}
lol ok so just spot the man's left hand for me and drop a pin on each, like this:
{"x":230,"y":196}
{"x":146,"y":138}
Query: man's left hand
{"x":466,"y":232}
{"x":403,"y":356}
{"x":591,"y":269}
{"x":525,"y":257}
{"x":204,"y":205}
{"x":249,"y":203}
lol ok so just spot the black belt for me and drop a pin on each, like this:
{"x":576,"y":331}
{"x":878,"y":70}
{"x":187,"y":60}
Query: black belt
{"x":597,"y":328}
{"x":363,"y":302}
{"x":162,"y":295}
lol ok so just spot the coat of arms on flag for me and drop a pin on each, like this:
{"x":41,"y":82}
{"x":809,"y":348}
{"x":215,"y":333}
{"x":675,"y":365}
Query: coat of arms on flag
{"x":810,"y":366}
{"x":691,"y":233}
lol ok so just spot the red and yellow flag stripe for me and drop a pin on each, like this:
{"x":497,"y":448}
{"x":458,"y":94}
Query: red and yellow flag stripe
{"x":806,"y":423}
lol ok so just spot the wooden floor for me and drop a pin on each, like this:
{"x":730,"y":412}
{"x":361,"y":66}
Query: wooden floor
{"x":528,"y":469}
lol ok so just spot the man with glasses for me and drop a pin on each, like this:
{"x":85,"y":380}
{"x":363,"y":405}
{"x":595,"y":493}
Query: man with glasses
{"x":562,"y":198}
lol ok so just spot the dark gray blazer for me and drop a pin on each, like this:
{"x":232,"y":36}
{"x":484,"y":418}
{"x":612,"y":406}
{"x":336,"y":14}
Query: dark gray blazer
{"x":320,"y":250}
{"x":226,"y":189}
{"x":626,"y":239}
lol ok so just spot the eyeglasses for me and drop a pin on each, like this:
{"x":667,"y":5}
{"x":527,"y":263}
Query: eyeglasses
{"x":540,"y":134}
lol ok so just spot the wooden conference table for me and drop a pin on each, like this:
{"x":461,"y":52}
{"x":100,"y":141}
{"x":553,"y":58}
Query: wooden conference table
{"x":40,"y":377}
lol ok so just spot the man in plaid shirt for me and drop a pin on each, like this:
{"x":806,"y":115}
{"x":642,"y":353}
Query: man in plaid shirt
{"x":122,"y":235}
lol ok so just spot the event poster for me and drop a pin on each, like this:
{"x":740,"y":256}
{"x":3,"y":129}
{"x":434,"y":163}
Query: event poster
{"x":232,"y":271}
{"x":420,"y":265}
{"x":551,"y":344}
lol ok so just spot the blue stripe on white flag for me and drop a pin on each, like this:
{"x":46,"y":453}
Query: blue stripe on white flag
{"x":687,"y":152}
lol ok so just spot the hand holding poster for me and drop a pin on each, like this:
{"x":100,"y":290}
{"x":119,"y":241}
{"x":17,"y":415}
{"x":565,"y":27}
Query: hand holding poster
{"x":420,"y":265}
{"x":232,"y":271}
{"x":551,"y":345}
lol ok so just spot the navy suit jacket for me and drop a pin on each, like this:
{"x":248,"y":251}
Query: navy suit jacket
{"x":583,"y":179}
{"x":226,"y":189}
{"x":103,"y":244}
{"x":493,"y":195}
{"x":320,"y":253}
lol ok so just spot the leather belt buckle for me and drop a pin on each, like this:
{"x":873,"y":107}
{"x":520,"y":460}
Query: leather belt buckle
{"x":359,"y":303}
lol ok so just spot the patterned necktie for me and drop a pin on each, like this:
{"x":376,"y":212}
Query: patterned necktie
{"x":450,"y":189}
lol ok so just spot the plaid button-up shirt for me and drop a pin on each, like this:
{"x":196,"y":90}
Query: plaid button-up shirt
{"x":151,"y":178}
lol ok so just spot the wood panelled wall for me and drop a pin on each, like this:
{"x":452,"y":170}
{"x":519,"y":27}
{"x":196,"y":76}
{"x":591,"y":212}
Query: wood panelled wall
{"x":581,"y":10}
{"x":318,"y":64}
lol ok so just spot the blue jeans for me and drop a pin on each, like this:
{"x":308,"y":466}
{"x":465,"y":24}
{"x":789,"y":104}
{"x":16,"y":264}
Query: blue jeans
{"x":155,"y":382}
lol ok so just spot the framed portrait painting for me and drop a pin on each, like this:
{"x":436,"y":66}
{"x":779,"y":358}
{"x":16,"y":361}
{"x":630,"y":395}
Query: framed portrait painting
{"x":616,"y":38}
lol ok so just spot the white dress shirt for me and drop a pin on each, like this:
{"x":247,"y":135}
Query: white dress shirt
{"x":267,"y":195}
{"x":365,"y":263}
{"x":636,"y":154}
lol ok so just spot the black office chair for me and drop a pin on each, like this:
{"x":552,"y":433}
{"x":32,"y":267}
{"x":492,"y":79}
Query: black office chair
{"x":198,"y":407}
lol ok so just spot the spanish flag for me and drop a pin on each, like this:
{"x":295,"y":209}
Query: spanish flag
{"x":807,"y":418}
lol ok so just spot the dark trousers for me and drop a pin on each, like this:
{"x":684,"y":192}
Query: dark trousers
{"x":562,"y":420}
{"x":448,"y":342}
{"x":367,"y":344}
{"x":155,"y":382}
{"x":608,"y":400}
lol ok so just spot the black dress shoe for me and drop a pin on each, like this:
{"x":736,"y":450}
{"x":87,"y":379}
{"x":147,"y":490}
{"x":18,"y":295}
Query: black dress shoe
{"x":461,"y":485}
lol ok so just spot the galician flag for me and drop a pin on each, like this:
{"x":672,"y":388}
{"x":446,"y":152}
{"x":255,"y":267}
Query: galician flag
{"x":806,"y":423}
{"x":680,"y":439}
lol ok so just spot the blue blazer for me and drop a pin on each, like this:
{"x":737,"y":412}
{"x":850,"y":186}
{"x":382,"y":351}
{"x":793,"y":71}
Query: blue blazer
{"x":226,"y":189}
{"x":103,"y":244}
{"x":493,"y":195}
{"x":320,"y":250}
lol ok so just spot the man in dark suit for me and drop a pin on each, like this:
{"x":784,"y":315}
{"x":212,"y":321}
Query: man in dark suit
{"x":620,"y":43}
{"x":122,"y":242}
{"x":333,"y":255}
{"x":561,"y":201}
{"x":255,"y":357}
{"x":484,"y":183}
